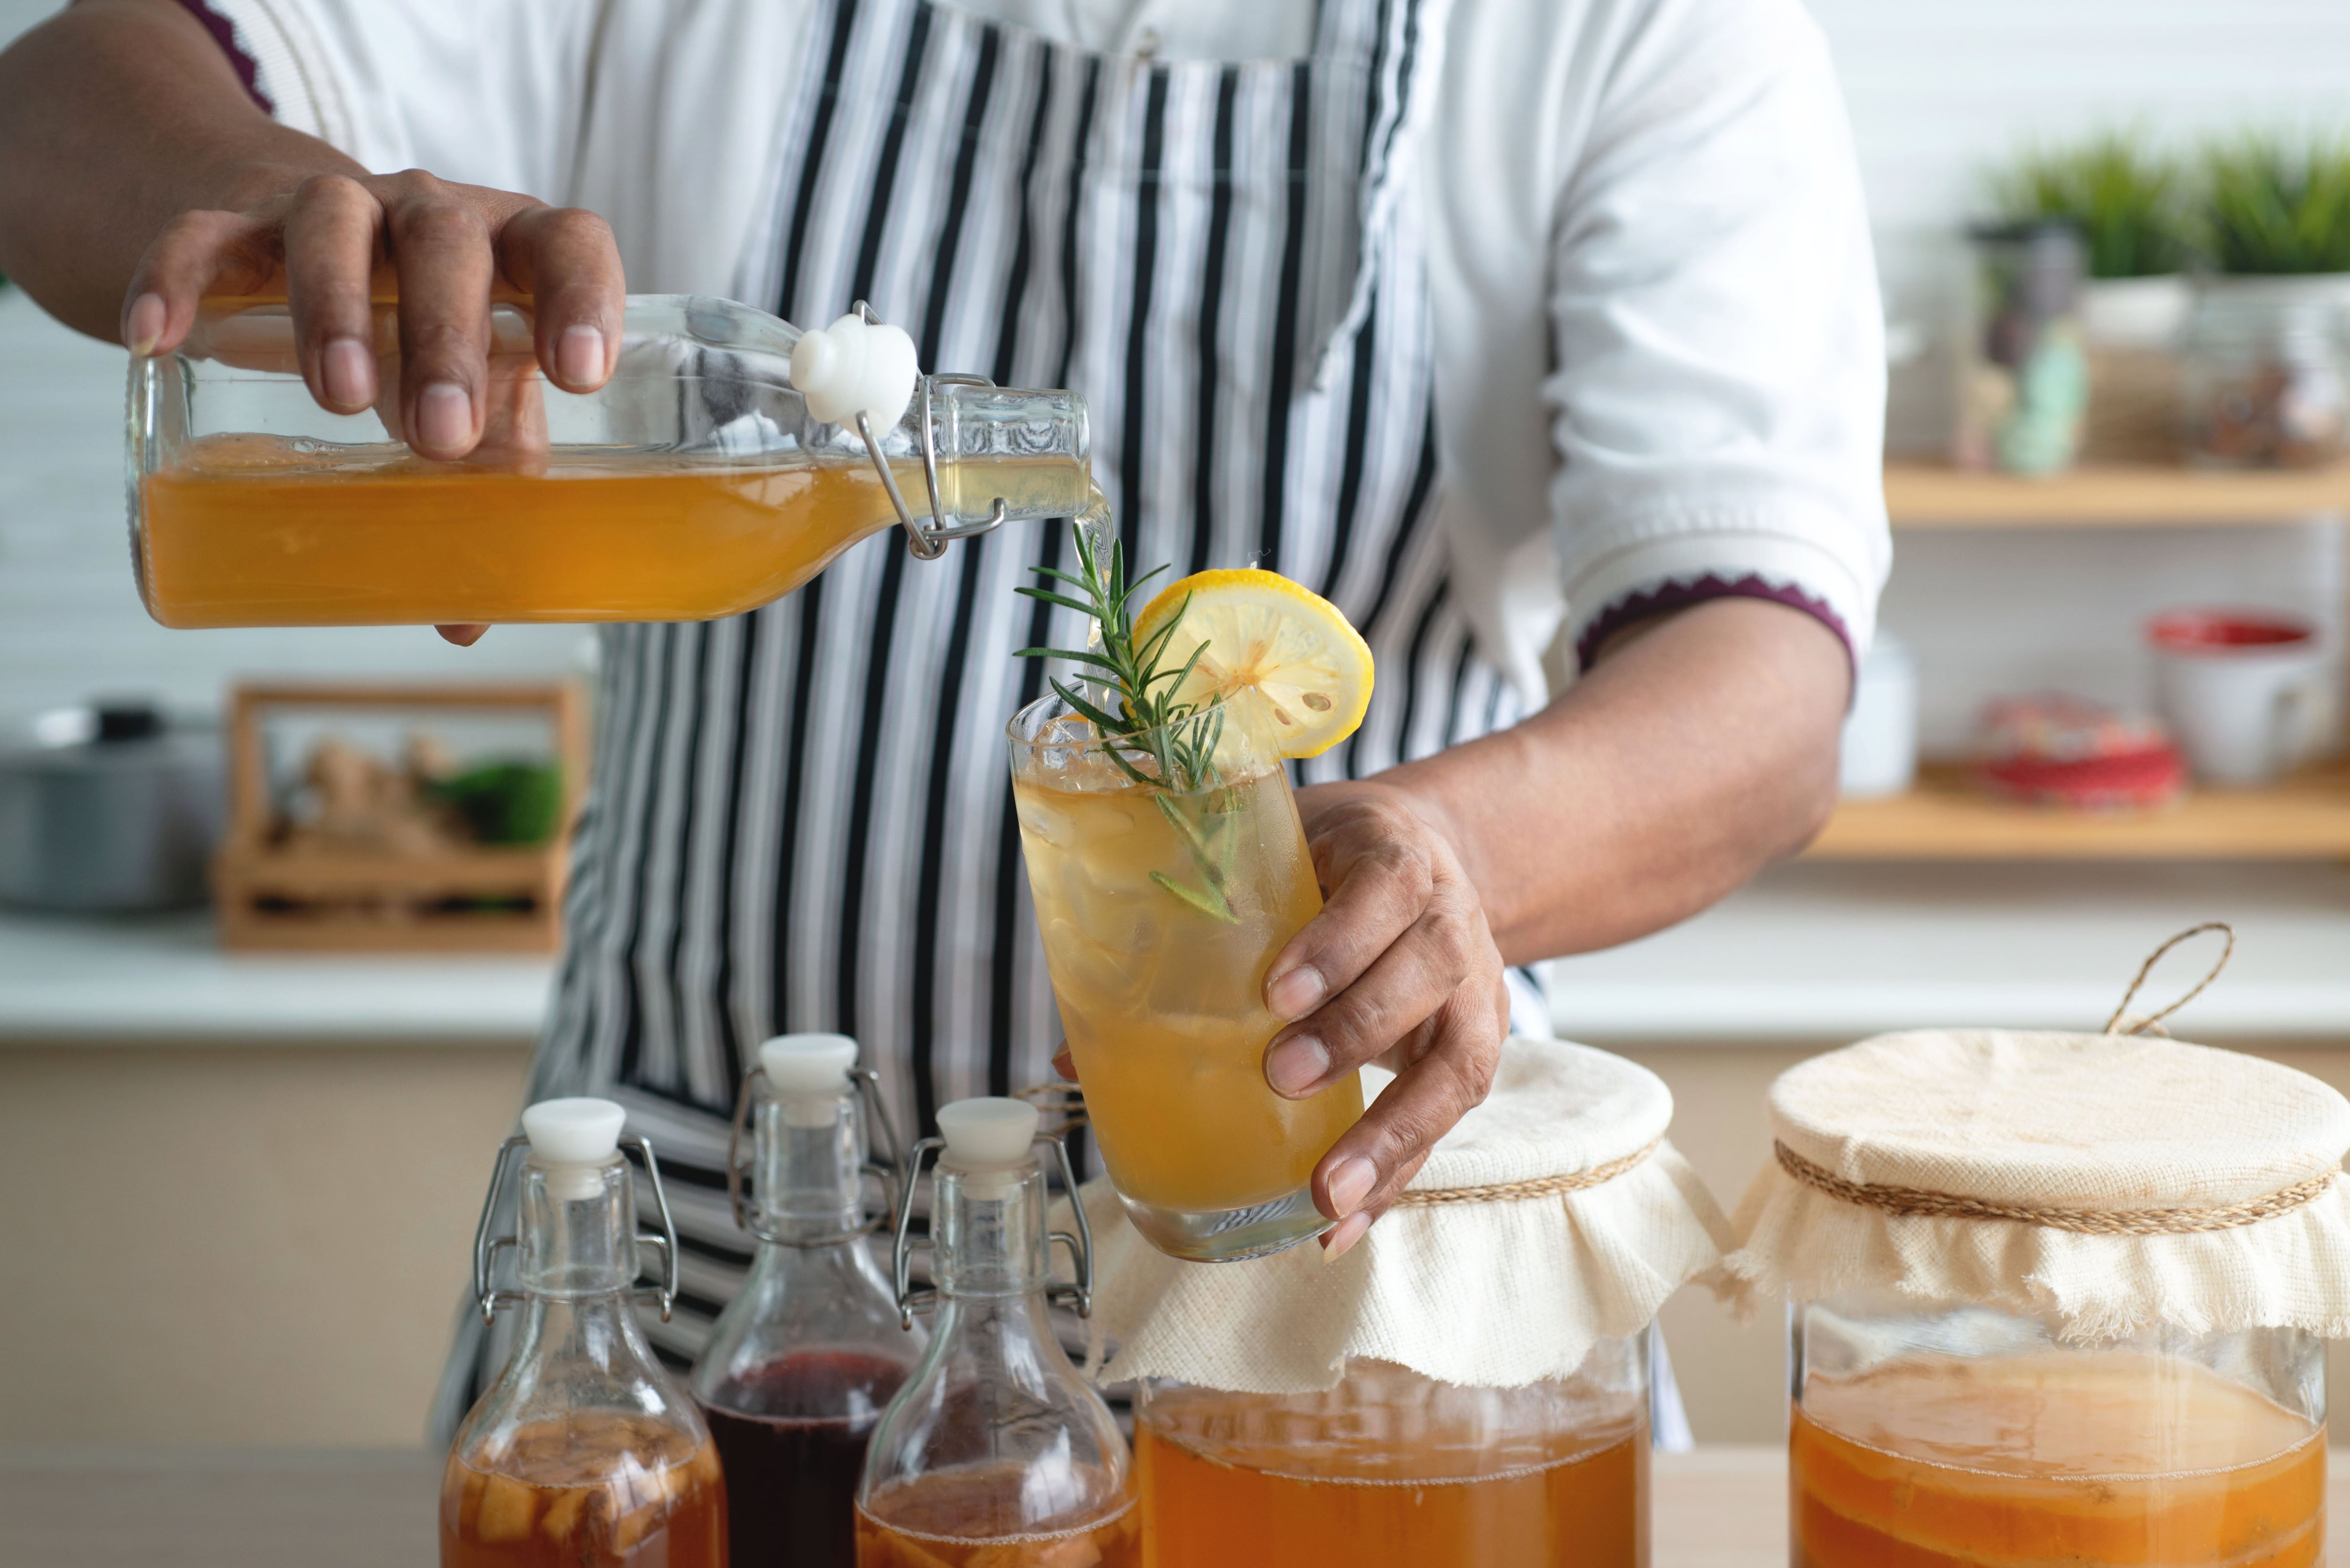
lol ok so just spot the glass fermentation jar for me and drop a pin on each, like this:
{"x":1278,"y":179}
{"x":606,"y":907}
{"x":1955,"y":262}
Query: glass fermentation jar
{"x":2055,"y":1298}
{"x":1468,"y":1386}
{"x":1393,"y":1470}
{"x":1955,"y":1433}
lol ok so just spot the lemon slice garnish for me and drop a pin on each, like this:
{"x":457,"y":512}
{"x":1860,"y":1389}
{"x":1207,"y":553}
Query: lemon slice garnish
{"x":1280,"y":655}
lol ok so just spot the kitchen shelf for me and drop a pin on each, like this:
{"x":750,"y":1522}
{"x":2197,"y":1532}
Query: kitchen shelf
{"x":2305,"y":818}
{"x":1936,"y":495}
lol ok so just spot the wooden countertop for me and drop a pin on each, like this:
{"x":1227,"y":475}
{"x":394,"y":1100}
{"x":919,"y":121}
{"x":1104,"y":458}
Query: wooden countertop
{"x":1718,"y":1508}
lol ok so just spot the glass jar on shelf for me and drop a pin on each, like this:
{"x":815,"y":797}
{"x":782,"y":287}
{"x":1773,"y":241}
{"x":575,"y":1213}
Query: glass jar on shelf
{"x":2053,"y":1298}
{"x":2267,"y":381}
{"x":1470,"y":1385}
{"x":2023,"y":391}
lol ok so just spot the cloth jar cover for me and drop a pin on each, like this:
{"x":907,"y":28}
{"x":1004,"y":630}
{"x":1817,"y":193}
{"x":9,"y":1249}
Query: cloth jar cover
{"x":2108,"y":1182}
{"x":1553,"y":1216}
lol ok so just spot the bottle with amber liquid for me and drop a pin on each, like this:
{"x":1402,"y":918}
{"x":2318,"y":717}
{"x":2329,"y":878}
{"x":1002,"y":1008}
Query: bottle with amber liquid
{"x":585,"y":1453}
{"x":995,"y":1454}
{"x":729,"y":457}
{"x":802,"y":1359}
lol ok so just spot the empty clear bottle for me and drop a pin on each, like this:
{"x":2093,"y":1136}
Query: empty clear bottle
{"x":802,"y":1361}
{"x":585,"y":1453}
{"x":995,"y":1453}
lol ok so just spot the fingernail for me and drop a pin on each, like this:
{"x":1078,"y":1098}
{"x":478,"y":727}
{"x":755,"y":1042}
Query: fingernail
{"x":444,"y":415}
{"x":145,"y":323}
{"x":1297,"y":992}
{"x":1350,"y":1184}
{"x":1066,"y":1065}
{"x":1343,"y":1235}
{"x":1296,"y":1064}
{"x":579,"y":356}
{"x":347,"y":372}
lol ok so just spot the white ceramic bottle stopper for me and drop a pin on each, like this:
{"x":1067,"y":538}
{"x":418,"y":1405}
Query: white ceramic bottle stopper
{"x":807,"y":1072}
{"x":856,"y":367}
{"x":574,"y":1139}
{"x":987,"y":1134}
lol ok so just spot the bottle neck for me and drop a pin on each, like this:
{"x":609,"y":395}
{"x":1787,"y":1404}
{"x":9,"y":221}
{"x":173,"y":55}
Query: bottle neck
{"x":808,"y":1172}
{"x":988,"y":1234}
{"x":1028,"y":450}
{"x":576,"y":1229}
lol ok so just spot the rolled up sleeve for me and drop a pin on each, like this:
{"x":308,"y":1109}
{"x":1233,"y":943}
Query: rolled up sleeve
{"x":1718,"y":401}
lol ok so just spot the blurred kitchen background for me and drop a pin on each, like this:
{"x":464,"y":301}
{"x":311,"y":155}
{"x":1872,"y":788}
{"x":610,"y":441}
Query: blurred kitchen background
{"x":245,"y":1183}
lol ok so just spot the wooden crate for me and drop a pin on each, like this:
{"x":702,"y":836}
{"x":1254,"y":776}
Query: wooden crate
{"x":270,"y":900}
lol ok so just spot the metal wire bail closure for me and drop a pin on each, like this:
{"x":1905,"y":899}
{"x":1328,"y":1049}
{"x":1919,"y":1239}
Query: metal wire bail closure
{"x":487,"y":1247}
{"x":925,"y":541}
{"x":884,"y":1171}
{"x":1079,"y":1294}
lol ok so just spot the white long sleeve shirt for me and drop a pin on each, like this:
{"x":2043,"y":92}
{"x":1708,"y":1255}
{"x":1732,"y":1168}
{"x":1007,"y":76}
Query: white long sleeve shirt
{"x":1661,"y":374}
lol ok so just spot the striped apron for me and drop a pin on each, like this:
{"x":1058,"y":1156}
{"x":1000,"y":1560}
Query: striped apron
{"x":801,"y":818}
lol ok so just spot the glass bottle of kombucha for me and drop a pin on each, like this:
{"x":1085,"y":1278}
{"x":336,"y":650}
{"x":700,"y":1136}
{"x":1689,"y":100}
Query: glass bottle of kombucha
{"x":699,"y":482}
{"x":995,"y":1454}
{"x":584,"y":1453}
{"x":802,"y":1359}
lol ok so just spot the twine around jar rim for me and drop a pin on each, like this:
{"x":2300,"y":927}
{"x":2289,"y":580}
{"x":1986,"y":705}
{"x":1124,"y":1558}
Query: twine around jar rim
{"x":1534,"y":1186}
{"x":1907,"y":1202}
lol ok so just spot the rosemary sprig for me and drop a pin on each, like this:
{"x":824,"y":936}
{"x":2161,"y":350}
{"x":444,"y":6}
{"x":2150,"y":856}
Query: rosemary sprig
{"x":1163,"y":742}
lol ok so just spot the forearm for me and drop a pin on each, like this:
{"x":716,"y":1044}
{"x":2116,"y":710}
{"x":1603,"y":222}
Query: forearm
{"x":117,"y":116}
{"x":1701,"y":747}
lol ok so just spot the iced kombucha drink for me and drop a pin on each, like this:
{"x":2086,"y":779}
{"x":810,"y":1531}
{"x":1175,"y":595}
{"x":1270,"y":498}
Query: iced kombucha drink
{"x":942,"y":1521}
{"x":590,"y":1491}
{"x":2088,"y":1458}
{"x":1222,"y":1485}
{"x":1163,"y":998}
{"x":254,"y":531}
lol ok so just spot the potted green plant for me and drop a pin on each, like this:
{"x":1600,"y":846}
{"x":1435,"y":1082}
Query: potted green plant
{"x":2268,"y":367}
{"x":2279,"y":207}
{"x":2129,"y":204}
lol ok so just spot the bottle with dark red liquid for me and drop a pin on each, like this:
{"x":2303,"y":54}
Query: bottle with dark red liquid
{"x":801,"y":1363}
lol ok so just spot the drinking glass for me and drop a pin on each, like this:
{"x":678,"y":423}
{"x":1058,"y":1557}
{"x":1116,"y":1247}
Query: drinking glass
{"x":1168,"y":867}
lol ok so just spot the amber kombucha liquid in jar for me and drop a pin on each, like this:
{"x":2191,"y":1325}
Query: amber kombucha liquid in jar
{"x":2085,"y":1459}
{"x":590,"y":1491}
{"x":1445,"y":1500}
{"x":942,"y":1521}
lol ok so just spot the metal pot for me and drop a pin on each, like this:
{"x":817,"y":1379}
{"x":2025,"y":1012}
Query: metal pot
{"x":107,"y":809}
